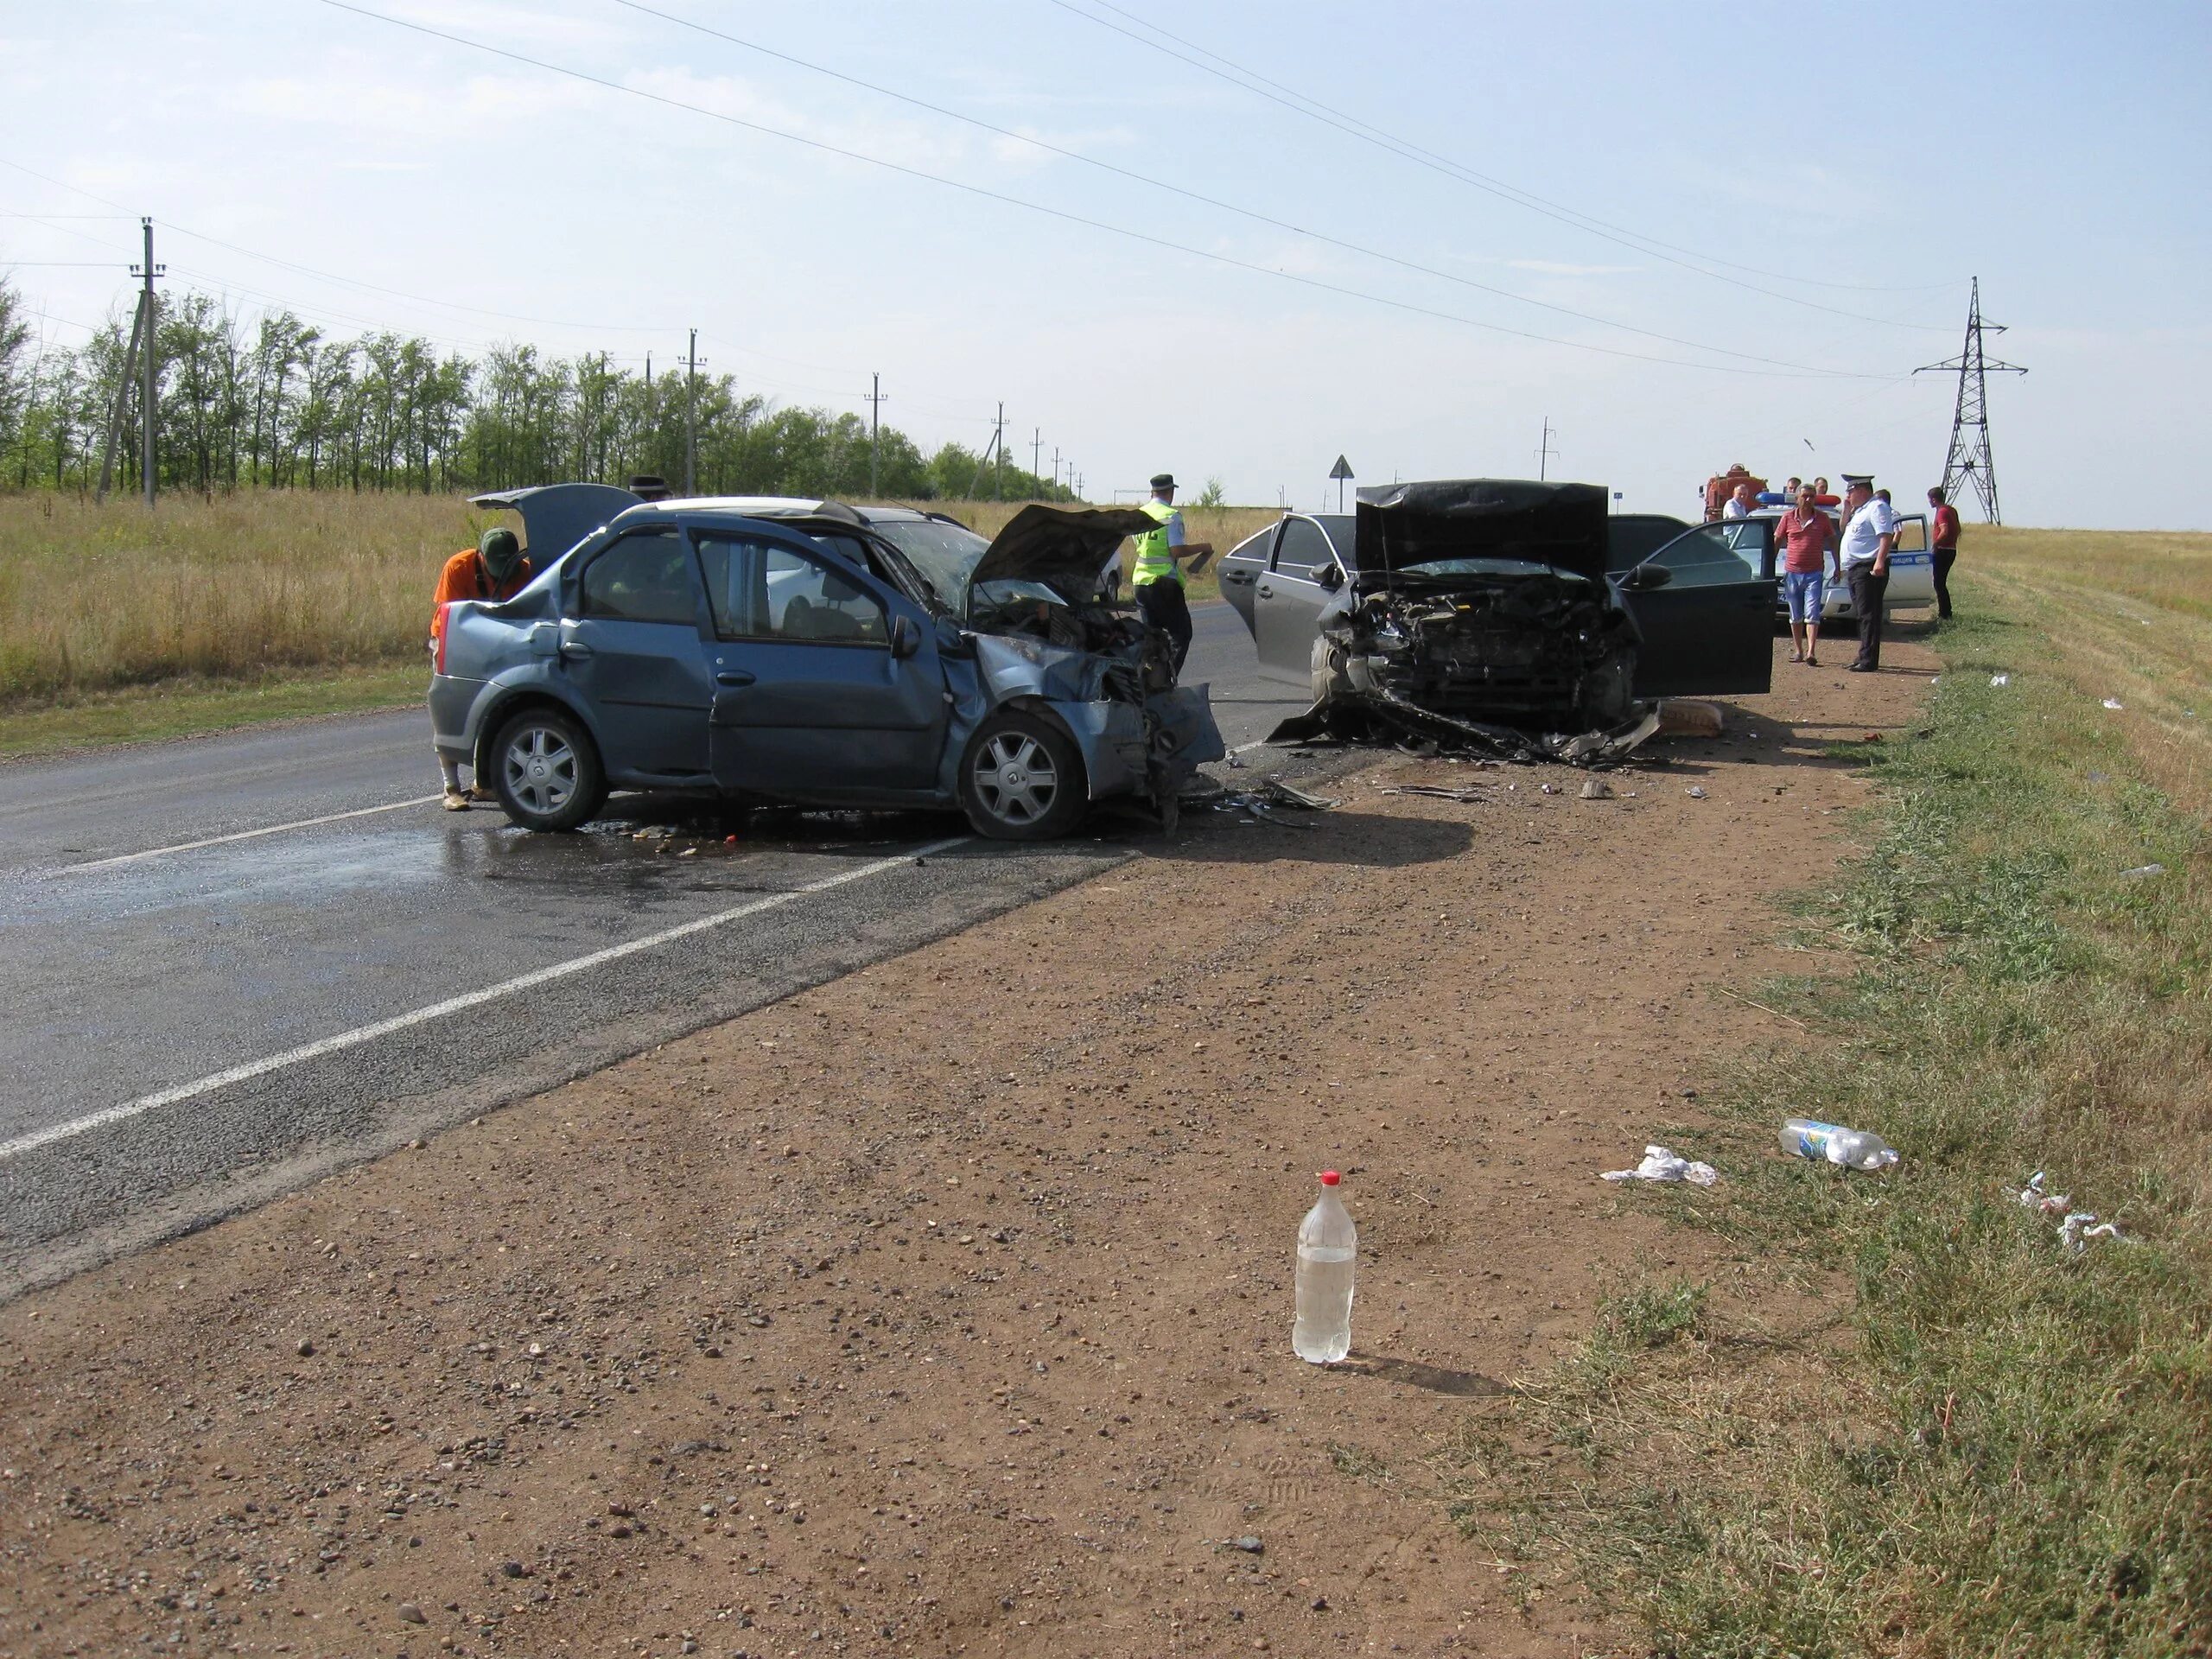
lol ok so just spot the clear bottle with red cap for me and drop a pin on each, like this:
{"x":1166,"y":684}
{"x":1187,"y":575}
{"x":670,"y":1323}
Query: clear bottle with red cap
{"x":1328,"y":1251}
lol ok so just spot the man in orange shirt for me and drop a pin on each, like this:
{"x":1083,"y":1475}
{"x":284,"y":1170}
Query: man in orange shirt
{"x":495,"y":568}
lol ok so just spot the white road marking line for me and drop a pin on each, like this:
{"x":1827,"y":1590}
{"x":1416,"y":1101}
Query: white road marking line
{"x":361,"y":1034}
{"x":244,"y":835}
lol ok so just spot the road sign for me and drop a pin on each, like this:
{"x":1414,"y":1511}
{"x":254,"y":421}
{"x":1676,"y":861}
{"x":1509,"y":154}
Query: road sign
{"x":1340,"y":472}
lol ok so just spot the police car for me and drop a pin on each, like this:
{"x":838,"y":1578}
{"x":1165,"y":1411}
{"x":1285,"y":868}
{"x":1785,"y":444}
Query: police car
{"x":1912,"y":570}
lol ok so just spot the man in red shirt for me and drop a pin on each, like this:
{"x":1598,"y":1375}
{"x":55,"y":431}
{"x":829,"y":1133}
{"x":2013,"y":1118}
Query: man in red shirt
{"x":1943,"y":535}
{"x":1807,"y":539}
{"x":495,"y":568}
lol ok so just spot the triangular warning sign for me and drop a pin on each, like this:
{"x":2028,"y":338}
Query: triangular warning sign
{"x":1342,"y":470}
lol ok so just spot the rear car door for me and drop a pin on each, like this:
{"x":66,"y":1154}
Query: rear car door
{"x":633,"y":646}
{"x":1705,"y":605}
{"x":1912,"y":563}
{"x":1287,"y":602}
{"x":1241,"y":567}
{"x":813,"y":700}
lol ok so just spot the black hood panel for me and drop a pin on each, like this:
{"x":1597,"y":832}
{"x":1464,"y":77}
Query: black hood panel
{"x":1067,"y":547}
{"x":1559,"y":525}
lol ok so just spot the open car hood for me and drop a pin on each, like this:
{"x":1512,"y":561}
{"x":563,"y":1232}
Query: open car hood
{"x":1067,"y":547}
{"x":555,"y":517}
{"x":1559,"y":524}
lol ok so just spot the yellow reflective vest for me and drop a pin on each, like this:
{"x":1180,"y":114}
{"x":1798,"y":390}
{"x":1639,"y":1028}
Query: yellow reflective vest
{"x":1152,"y":563}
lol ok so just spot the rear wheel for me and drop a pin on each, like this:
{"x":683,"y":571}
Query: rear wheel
{"x":546,"y":770}
{"x":1021,"y":780}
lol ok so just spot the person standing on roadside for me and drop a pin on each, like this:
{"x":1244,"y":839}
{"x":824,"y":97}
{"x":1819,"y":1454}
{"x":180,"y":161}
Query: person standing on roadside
{"x":495,"y":568}
{"x":1870,"y":535}
{"x":1808,"y":542}
{"x":1741,"y":503}
{"x":1157,"y":573}
{"x":1943,"y":540}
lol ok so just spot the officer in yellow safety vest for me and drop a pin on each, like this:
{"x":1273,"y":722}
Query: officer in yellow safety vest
{"x":1157,"y":572}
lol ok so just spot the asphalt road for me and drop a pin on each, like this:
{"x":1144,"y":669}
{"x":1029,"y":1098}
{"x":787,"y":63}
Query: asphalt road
{"x":235,"y":963}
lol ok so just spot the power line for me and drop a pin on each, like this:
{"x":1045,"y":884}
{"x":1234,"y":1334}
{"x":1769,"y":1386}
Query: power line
{"x":1063,"y":215}
{"x":1358,"y":249}
{"x":1313,"y":110}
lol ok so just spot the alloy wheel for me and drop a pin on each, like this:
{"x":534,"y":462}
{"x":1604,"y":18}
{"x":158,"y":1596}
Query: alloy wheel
{"x":1015,"y":778}
{"x":541,"y":770}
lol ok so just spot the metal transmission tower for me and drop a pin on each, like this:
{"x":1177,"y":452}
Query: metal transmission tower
{"x":1969,"y":457}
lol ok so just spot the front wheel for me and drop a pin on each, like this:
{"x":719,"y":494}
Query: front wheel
{"x":546,"y":770}
{"x":1021,"y":780}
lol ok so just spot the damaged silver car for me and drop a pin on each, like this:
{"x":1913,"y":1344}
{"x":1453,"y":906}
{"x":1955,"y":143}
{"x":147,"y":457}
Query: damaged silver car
{"x":1481,"y":612}
{"x":807,"y":653}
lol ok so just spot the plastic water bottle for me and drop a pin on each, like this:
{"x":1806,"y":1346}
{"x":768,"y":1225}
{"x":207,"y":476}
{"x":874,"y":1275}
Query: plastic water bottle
{"x":1328,"y":1251}
{"x":1853,"y":1148}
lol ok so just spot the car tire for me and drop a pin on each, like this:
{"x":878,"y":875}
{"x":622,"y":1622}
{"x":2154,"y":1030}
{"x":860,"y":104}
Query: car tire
{"x":1021,"y":780}
{"x":546,"y":771}
{"x":1330,"y":677}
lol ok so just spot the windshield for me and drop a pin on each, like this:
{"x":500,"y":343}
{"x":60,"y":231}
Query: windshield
{"x":946,"y":555}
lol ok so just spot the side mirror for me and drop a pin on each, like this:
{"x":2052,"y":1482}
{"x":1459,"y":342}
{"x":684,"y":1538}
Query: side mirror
{"x":905,"y":638}
{"x":1328,"y":575}
{"x":1647,"y":575}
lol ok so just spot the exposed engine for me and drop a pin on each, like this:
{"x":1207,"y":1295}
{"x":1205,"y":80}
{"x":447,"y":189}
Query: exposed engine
{"x":1537,"y":650}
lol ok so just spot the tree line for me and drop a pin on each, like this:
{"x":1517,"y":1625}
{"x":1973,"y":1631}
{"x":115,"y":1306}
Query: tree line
{"x":280,"y":404}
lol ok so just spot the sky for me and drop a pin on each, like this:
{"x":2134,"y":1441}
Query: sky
{"x":1414,"y":235}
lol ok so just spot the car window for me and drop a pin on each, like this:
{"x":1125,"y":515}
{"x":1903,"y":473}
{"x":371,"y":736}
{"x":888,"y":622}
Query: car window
{"x":643,"y":577}
{"x":1714,"y":554}
{"x":1301,"y":547}
{"x":1912,"y":536}
{"x":764,"y":590}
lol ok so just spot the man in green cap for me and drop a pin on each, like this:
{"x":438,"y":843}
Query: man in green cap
{"x":495,"y":568}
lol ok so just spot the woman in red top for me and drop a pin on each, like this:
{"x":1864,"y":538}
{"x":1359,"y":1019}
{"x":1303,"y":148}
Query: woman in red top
{"x":1808,"y":538}
{"x":1943,"y":538}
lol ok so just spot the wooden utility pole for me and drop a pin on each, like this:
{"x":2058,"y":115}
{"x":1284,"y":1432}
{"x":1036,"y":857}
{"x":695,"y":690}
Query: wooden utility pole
{"x":691,"y":416}
{"x":122,"y":401}
{"x":874,"y":426}
{"x":151,"y":409}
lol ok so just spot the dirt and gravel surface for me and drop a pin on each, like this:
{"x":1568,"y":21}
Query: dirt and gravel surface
{"x":944,"y":1307}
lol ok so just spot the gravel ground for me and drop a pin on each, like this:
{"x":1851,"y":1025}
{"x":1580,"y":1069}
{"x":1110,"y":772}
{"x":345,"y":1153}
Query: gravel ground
{"x":944,"y":1308}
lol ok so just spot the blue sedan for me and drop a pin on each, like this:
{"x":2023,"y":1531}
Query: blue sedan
{"x":808,"y":654}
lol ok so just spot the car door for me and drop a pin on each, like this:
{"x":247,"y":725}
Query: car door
{"x":1912,"y":563}
{"x":1287,"y":601}
{"x":632,"y":645}
{"x":1241,"y":567}
{"x":827,"y":682}
{"x":1705,"y":605}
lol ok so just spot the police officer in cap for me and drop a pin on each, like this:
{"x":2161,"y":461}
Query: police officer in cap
{"x":1158,"y":573}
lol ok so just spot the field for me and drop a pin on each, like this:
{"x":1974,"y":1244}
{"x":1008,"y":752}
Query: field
{"x":209,"y":614}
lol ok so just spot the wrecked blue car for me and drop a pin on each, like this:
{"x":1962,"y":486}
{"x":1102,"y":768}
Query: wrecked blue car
{"x":770,"y":652}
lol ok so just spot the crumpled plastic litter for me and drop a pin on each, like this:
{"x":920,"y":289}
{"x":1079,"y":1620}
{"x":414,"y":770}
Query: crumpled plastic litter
{"x":1661,"y":1164}
{"x":2114,"y":702}
{"x":2142,"y":870}
{"x":2000,"y":679}
{"x":1697,"y":792}
{"x":2076,"y":1227}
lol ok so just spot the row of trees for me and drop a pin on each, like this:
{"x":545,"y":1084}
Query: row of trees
{"x":281,"y":405}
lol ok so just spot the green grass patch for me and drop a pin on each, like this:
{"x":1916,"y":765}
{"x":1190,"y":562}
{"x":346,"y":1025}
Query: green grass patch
{"x":1910,"y":1423}
{"x":190,"y":708}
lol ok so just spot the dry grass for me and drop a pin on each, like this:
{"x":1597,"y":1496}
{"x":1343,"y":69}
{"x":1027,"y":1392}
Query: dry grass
{"x":94,"y":599}
{"x":234,"y":591}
